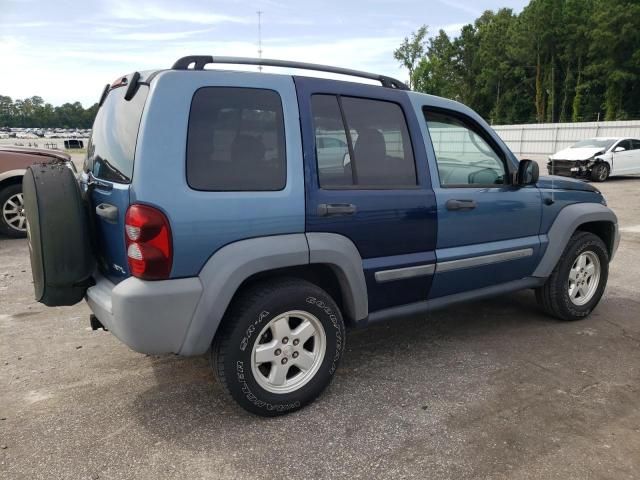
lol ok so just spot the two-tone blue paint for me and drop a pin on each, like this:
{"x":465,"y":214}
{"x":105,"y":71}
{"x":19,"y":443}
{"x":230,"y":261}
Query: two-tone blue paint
{"x":392,"y":229}
{"x":505,"y":217}
{"x":203,"y":222}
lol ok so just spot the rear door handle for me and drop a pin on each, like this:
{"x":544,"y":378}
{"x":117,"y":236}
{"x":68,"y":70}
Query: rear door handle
{"x":326,"y":209}
{"x":108,"y":212}
{"x":461,"y":204}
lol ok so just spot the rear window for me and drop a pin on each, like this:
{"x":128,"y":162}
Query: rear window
{"x":114,"y":135}
{"x":236,"y":140}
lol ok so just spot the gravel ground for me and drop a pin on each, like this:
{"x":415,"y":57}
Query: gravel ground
{"x":493,"y":389}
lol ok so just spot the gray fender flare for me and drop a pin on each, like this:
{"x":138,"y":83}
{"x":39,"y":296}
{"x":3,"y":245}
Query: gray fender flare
{"x":225,"y":271}
{"x":565,"y":224}
{"x":342,"y":256}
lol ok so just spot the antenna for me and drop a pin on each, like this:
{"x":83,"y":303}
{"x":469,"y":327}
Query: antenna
{"x":259,"y":12}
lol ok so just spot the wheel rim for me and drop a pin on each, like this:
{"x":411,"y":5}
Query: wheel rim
{"x":288,"y":352}
{"x":603,"y":173}
{"x":584,"y":278}
{"x":13,"y":213}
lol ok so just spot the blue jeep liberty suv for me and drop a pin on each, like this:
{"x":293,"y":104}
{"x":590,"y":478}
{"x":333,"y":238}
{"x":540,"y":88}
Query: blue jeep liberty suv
{"x":252,"y":216}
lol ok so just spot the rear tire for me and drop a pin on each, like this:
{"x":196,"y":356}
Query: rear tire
{"x":600,"y":172}
{"x":577,"y":283}
{"x":279,"y":346}
{"x":12,"y":219}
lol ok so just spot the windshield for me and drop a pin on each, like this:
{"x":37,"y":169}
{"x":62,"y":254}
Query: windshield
{"x":595,"y":143}
{"x":114,"y":135}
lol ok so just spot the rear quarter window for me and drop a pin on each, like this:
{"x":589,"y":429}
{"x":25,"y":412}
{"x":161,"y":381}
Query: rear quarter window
{"x":236,"y":140}
{"x":111,"y":150}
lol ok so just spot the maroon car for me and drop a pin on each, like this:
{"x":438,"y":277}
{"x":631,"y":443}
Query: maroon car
{"x":13,"y":163}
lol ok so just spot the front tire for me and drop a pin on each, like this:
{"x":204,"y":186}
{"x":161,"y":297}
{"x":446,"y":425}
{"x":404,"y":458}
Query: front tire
{"x":600,"y":172}
{"x":279,"y":346}
{"x":577,"y":283}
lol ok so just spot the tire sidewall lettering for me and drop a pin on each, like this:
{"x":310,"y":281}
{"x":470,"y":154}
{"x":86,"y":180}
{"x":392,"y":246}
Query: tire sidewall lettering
{"x":242,"y":370}
{"x":244,"y":342}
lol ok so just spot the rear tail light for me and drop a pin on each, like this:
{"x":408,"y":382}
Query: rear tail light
{"x":148,"y":241}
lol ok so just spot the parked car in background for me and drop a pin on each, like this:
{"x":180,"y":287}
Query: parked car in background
{"x":13,"y":163}
{"x":597,"y":159}
{"x":243,"y":232}
{"x":332,"y":152}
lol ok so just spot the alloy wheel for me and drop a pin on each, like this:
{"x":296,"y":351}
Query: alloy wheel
{"x":288,"y":352}
{"x":13,"y":213}
{"x":584,"y":278}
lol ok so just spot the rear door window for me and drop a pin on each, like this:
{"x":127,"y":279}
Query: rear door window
{"x":112,"y":146}
{"x":236,"y":140}
{"x":332,"y":150}
{"x":362,"y":143}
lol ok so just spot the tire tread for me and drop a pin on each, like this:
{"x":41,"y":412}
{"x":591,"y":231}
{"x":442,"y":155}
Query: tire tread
{"x":549,"y":296}
{"x":239,"y":309}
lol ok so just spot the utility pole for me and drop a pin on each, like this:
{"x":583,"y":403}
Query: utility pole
{"x":553,"y":93}
{"x":259,"y":12}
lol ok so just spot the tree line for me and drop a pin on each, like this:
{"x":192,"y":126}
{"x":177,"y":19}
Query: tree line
{"x":557,"y":61}
{"x":34,"y":112}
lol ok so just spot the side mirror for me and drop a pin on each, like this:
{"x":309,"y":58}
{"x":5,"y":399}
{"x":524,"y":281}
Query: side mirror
{"x":528,"y":173}
{"x":619,"y":149}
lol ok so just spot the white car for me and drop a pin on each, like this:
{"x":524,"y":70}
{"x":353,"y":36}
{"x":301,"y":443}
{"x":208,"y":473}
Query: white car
{"x":597,"y":159}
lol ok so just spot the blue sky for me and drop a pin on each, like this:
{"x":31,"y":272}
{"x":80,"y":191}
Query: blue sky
{"x":66,"y":50}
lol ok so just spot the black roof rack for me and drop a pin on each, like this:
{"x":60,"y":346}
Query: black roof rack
{"x":199,"y":62}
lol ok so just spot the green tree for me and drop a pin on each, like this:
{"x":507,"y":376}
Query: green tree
{"x":435,"y":73}
{"x":558,"y":60}
{"x":411,"y":51}
{"x":615,"y":56}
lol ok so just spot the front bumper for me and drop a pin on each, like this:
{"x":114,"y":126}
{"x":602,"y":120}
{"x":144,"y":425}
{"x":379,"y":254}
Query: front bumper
{"x":149,"y":316}
{"x":567,"y":168}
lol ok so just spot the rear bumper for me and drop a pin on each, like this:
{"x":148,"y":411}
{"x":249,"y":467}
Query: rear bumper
{"x":149,"y":316}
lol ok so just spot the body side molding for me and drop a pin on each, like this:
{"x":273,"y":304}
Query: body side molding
{"x":567,"y":221}
{"x":383,"y":276}
{"x":483,"y":260}
{"x":425,"y":306}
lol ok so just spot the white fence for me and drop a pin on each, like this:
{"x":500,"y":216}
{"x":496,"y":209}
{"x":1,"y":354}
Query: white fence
{"x":543,"y":139}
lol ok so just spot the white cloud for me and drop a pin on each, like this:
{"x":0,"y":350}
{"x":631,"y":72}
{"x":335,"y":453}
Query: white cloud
{"x":17,"y":25}
{"x":462,"y":6}
{"x":148,"y":12}
{"x":160,"y":36}
{"x":114,"y":37}
{"x":80,"y":72}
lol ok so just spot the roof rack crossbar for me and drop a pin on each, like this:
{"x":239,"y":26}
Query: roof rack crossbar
{"x":199,"y":62}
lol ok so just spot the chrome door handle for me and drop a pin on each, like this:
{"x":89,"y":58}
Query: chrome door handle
{"x":326,"y":209}
{"x":461,"y":204}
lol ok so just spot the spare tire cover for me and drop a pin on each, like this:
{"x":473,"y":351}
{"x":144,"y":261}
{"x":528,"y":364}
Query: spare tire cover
{"x":58,"y":233}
